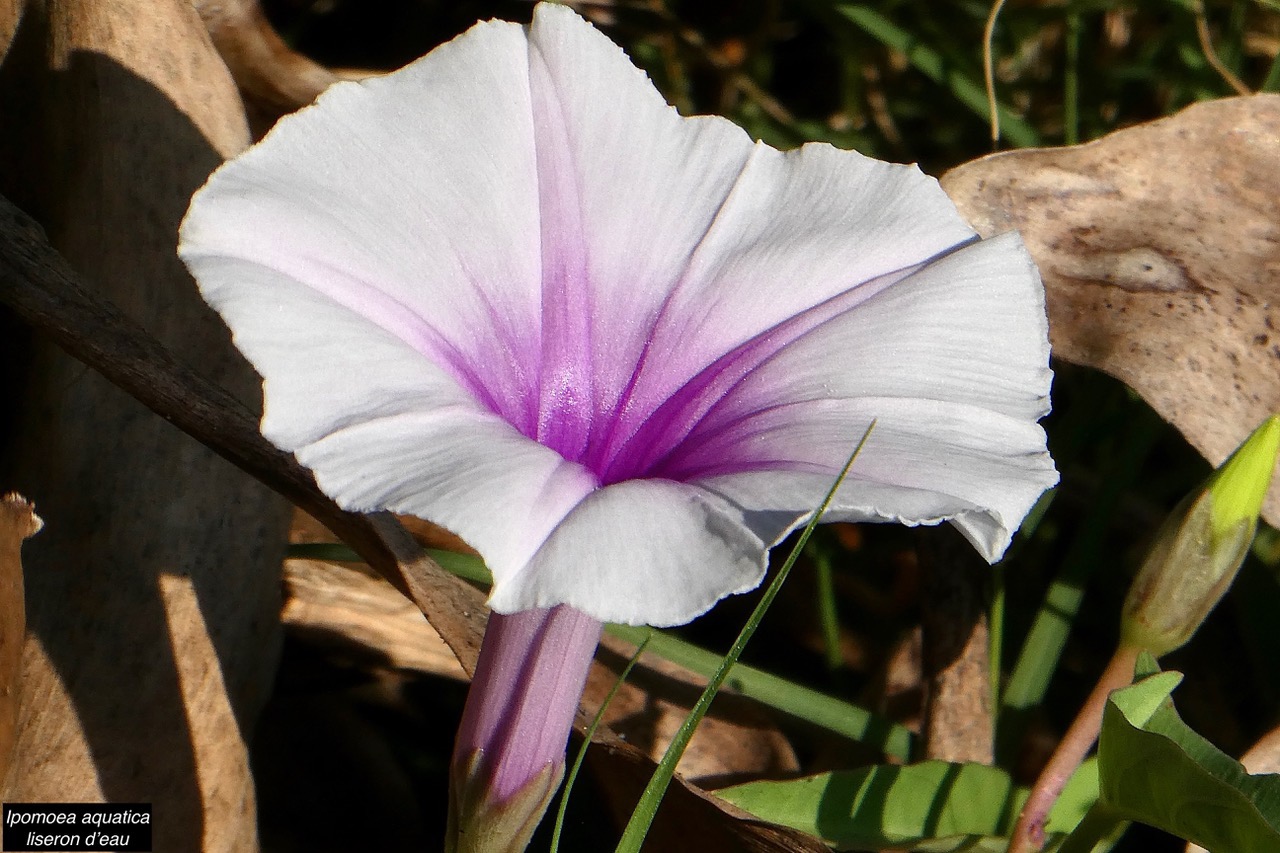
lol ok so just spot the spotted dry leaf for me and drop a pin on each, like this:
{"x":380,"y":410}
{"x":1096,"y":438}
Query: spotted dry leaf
{"x":1160,"y":251}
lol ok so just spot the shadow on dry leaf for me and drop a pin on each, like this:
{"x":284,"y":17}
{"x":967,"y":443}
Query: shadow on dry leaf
{"x":273,"y":79}
{"x":1160,"y":250}
{"x":152,"y":601}
{"x":339,"y":607}
{"x":362,"y":620}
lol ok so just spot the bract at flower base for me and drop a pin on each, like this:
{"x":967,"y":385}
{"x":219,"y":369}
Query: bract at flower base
{"x":479,"y":824}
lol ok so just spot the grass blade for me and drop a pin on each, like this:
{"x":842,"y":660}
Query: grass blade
{"x":572,"y":776}
{"x":642,"y":818}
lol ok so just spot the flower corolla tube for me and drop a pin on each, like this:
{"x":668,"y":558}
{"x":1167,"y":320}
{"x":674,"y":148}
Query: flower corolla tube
{"x":619,"y":351}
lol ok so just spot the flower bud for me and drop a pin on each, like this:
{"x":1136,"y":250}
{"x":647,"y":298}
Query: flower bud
{"x":1200,"y":547}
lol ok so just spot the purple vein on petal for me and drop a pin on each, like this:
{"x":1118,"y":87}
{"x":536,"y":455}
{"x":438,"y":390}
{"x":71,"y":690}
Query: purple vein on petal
{"x":383,"y":310}
{"x":649,"y":449}
{"x":680,"y":462}
{"x":508,"y":400}
{"x":566,"y":388}
{"x":600,"y":451}
{"x":522,"y":411}
{"x":712,"y":449}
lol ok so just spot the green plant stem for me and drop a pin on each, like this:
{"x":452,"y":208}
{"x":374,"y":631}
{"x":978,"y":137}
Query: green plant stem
{"x":995,"y":632}
{"x":1272,"y":81}
{"x":989,"y":71}
{"x":1028,"y":833}
{"x":466,"y":566}
{"x":827,"y":616}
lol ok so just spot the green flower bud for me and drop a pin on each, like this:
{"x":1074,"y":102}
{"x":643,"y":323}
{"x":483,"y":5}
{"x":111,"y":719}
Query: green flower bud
{"x":1200,"y":548}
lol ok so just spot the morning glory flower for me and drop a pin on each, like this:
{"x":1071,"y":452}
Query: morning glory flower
{"x":620,"y":352}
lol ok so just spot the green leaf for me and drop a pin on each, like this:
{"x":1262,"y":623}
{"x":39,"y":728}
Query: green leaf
{"x":929,"y":806}
{"x":1153,"y":768}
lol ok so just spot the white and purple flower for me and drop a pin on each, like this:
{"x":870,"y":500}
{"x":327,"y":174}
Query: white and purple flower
{"x":620,"y":352}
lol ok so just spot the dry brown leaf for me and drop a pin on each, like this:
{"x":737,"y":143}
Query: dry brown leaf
{"x":152,"y":605}
{"x":18,"y":522}
{"x":336,"y":603}
{"x":734,"y":742}
{"x":38,"y":284}
{"x":10,"y":14}
{"x":955,"y":641}
{"x":1160,"y":250}
{"x":271,"y":75}
{"x":331,"y":604}
{"x":345,"y":603}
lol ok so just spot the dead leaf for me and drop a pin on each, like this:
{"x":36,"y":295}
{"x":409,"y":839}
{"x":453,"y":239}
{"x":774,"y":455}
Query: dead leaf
{"x":274,"y":78}
{"x":18,"y":521}
{"x":1160,"y":251}
{"x":955,"y":641}
{"x":735,"y":742}
{"x":342,"y":604}
{"x":334,"y":604}
{"x":158,"y":587}
{"x":10,"y":14}
{"x":37,"y":283}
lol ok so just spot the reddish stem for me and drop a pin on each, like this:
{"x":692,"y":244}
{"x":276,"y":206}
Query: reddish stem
{"x":1028,"y":834}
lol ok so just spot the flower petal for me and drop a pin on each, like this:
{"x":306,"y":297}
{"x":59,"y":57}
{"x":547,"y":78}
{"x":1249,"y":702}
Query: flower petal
{"x":951,"y":362}
{"x":929,"y":357}
{"x":475,"y":475}
{"x":384,"y":428}
{"x":317,"y":381}
{"x":627,"y":191}
{"x":669,"y":241}
{"x":412,"y":201}
{"x":925,"y":463}
{"x":641,"y":552}
{"x":800,"y":229}
{"x":476,"y":285}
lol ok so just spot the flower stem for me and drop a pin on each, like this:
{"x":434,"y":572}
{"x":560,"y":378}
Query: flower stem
{"x":509,"y":756}
{"x":1028,"y":834}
